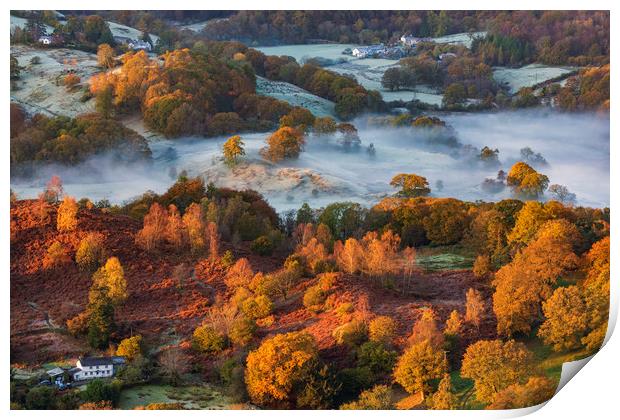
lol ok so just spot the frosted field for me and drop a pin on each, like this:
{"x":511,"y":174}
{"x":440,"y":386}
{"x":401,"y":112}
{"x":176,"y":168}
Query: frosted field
{"x":529,"y":75}
{"x":301,"y":51}
{"x":121,"y":30}
{"x":295,"y":96}
{"x":17,"y":22}
{"x":576,"y":147}
{"x":464,"y":38}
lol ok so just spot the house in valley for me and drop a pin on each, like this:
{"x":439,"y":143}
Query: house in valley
{"x":411,"y":41}
{"x":88,"y":368}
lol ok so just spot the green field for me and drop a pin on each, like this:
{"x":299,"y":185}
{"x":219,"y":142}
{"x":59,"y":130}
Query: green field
{"x":192,"y":397}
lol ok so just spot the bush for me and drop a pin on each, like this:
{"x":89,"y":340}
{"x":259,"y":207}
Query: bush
{"x":376,"y":357}
{"x":352,"y":333}
{"x":344,"y":309}
{"x":98,"y":390}
{"x":262,"y":246}
{"x":382,"y":329}
{"x":90,"y":253}
{"x":314,"y":298}
{"x":207,"y":339}
{"x":242,"y":331}
{"x":257,"y":307}
{"x":130,"y":347}
{"x":71,"y":80}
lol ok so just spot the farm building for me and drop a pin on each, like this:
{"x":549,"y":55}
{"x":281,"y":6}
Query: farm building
{"x":412,"y":41}
{"x":133,"y":44}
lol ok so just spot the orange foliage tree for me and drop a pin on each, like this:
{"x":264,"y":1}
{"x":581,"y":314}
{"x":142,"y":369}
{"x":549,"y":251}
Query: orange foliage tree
{"x":66,"y":219}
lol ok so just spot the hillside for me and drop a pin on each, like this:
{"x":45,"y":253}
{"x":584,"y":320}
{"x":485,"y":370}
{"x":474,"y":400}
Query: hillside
{"x":42,"y":300}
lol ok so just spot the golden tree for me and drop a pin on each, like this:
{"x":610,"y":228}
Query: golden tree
{"x":565,"y":319}
{"x":90,"y":252}
{"x":349,"y":257}
{"x":474,"y":307}
{"x":214,"y":240}
{"x":66,"y":220}
{"x":130,"y":347}
{"x":382,"y":329}
{"x":233,"y":149}
{"x":596,"y":292}
{"x":537,"y":390}
{"x":426,"y":329}
{"x":411,"y":185}
{"x":175,"y":232}
{"x":105,"y":56}
{"x":194,"y":222}
{"x":377,"y":398}
{"x":495,"y":365}
{"x":482,"y":266}
{"x":278,"y":365}
{"x":285,"y":143}
{"x":153,"y":232}
{"x":453,"y":324}
{"x":56,"y":256}
{"x":240,"y":274}
{"x":112,"y":277}
{"x":420,"y":364}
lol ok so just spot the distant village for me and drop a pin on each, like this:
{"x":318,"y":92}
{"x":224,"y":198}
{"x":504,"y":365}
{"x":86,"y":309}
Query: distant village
{"x":406,"y":46}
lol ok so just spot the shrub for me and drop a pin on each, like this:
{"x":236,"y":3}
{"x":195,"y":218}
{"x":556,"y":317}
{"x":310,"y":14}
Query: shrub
{"x":314,"y":298}
{"x":344,"y":309}
{"x":377,"y":398}
{"x":207,"y":339}
{"x":262,"y":246}
{"x":382,"y":329}
{"x":56,"y":256}
{"x":71,"y":80}
{"x":90,"y":252}
{"x":352,"y":333}
{"x":257,"y":307}
{"x":242,"y":331}
{"x":98,"y":390}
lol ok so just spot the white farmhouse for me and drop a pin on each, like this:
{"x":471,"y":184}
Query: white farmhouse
{"x":45,"y":40}
{"x":96,"y":367}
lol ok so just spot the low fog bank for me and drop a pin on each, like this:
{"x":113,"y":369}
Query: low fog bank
{"x":576,"y":148}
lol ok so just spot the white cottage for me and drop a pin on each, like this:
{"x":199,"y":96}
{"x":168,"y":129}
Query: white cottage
{"x":96,"y":367}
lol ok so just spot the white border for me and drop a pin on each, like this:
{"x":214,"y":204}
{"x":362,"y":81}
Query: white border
{"x":594,"y":394}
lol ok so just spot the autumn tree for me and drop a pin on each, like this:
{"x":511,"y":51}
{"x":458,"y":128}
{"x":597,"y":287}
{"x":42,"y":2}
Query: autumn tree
{"x":90,"y":252}
{"x":56,"y":256}
{"x":420,"y":364}
{"x":474,"y":307}
{"x":285,"y":143}
{"x":278,"y":366}
{"x":537,"y":390}
{"x":112,"y":277}
{"x":233,"y":150}
{"x":130,"y":347}
{"x":175,"y":231}
{"x":523,"y":284}
{"x":66,"y":219}
{"x":411,"y":185}
{"x":53,"y":190}
{"x":565,"y":319}
{"x":105,"y":56}
{"x":526,"y":181}
{"x":324,"y":125}
{"x":426,"y":329}
{"x":382,"y":329}
{"x":194,"y":222}
{"x":562,"y":194}
{"x":153,"y":232}
{"x":482,"y":266}
{"x":349,"y":256}
{"x":444,"y":398}
{"x":454,"y":324}
{"x":495,"y":365}
{"x":596,"y":293}
{"x":100,"y":317}
{"x":240,"y":274}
